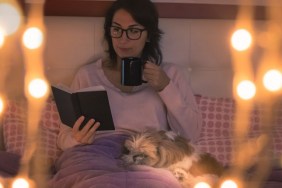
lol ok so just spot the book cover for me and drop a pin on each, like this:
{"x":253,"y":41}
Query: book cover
{"x":90,"y":102}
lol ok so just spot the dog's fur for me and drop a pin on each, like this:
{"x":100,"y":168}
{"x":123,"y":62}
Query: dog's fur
{"x":165,"y":149}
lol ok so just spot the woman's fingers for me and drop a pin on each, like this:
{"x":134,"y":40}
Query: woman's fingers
{"x":89,"y":137}
{"x":86,"y":134}
{"x":155,"y":76}
{"x":78,"y":123}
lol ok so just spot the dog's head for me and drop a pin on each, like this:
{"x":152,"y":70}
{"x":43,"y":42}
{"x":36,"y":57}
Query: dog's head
{"x":155,"y":148}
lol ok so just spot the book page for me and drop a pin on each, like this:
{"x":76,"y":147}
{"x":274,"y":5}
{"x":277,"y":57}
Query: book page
{"x":63,"y":87}
{"x":92,"y":88}
{"x":69,"y":90}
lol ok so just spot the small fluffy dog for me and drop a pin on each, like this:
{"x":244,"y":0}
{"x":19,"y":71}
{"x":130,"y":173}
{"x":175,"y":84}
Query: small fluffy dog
{"x":165,"y":149}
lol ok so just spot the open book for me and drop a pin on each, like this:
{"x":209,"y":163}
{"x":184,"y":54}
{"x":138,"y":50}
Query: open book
{"x":90,"y":102}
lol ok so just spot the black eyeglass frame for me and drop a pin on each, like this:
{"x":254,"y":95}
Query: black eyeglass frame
{"x":126,"y":31}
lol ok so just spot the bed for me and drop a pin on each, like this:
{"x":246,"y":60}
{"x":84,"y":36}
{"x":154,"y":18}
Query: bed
{"x":202,"y":49}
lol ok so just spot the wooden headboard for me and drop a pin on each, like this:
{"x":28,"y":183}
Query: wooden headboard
{"x":88,"y":8}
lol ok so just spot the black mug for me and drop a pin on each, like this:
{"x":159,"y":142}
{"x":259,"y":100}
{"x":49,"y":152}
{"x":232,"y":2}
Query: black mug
{"x":132,"y":71}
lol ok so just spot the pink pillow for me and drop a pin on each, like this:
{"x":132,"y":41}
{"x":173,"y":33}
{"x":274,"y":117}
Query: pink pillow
{"x":217,"y":129}
{"x":14,"y":126}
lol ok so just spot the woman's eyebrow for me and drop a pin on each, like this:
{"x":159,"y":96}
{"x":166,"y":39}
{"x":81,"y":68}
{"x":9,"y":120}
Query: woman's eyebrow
{"x":134,"y":25}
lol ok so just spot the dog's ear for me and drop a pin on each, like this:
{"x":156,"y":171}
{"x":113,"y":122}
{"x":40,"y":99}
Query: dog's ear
{"x":184,"y":145}
{"x":162,"y":155}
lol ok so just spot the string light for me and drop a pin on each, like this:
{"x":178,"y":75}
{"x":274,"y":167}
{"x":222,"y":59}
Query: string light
{"x":272,"y":80}
{"x":2,"y":37}
{"x":20,"y":183}
{"x":229,"y":184}
{"x":1,"y":105}
{"x":1,"y":183}
{"x":37,"y":88}
{"x":241,"y":40}
{"x":10,"y":18}
{"x":202,"y":185}
{"x":33,"y":38}
{"x":246,"y":89}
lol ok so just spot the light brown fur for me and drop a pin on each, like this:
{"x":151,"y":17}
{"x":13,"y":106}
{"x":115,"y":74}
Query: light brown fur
{"x":165,"y":149}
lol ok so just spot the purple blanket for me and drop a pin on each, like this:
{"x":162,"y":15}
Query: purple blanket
{"x":98,"y":165}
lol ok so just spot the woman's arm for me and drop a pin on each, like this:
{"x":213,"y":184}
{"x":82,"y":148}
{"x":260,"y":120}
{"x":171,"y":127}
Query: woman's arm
{"x":183,"y":114}
{"x":69,"y":137}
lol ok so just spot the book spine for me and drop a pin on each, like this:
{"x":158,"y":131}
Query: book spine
{"x":76,"y":105}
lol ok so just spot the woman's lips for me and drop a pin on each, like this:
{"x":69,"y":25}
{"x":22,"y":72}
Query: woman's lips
{"x":124,"y":51}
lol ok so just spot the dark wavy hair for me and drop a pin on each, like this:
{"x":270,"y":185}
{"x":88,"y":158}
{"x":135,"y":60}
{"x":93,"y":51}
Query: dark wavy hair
{"x":145,"y":13}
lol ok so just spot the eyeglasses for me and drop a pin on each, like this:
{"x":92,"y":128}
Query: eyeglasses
{"x":131,"y":33}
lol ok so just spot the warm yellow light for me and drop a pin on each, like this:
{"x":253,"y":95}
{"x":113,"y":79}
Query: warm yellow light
{"x":246,"y":89}
{"x":1,"y":105}
{"x":2,"y":37}
{"x":33,"y":38}
{"x":1,"y":183}
{"x":20,"y":183}
{"x":202,"y":185}
{"x":228,"y":184}
{"x":272,"y":80}
{"x":241,"y":40}
{"x":37,"y":88}
{"x":10,"y":18}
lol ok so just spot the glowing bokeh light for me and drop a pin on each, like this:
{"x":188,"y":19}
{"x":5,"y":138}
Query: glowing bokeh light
{"x":272,"y":80}
{"x":1,"y":105}
{"x":37,"y":88}
{"x":33,"y":38}
{"x":246,"y":89}
{"x":228,"y":184}
{"x":241,"y":39}
{"x":202,"y":185}
{"x":1,"y":185}
{"x":20,"y":183}
{"x":2,"y":37}
{"x":10,"y":18}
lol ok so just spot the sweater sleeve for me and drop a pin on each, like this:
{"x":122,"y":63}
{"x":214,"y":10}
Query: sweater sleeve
{"x":183,"y":114}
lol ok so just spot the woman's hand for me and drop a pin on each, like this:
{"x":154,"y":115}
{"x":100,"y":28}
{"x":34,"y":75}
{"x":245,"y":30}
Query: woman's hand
{"x":87,"y":133}
{"x":155,"y":76}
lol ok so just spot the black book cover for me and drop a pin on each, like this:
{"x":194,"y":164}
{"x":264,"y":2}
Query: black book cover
{"x":89,"y":102}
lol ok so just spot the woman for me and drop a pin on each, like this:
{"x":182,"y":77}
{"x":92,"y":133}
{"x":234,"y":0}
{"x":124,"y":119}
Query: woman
{"x":164,"y":102}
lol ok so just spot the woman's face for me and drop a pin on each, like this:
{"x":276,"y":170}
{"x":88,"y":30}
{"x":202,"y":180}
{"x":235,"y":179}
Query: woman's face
{"x":123,"y":46}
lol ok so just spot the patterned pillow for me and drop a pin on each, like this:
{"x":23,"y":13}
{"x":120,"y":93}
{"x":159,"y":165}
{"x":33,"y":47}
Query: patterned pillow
{"x":14,"y":128}
{"x":218,"y":121}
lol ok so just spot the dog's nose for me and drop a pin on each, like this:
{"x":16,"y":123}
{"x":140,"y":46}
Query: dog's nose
{"x":135,"y":157}
{"x":138,"y":157}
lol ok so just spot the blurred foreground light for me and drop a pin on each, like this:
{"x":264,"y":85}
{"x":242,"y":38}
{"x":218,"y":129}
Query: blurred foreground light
{"x":1,"y":105}
{"x":37,"y":88}
{"x":272,"y":80}
{"x":241,"y":39}
{"x":1,"y":183}
{"x":10,"y":18}
{"x":228,"y":184}
{"x":20,"y":183}
{"x":202,"y":185}
{"x":33,"y":38}
{"x":2,"y":37}
{"x":246,"y":89}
